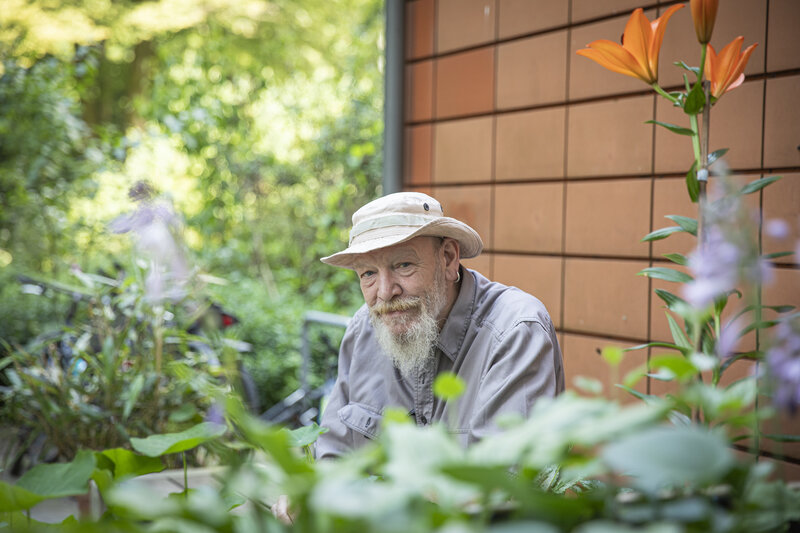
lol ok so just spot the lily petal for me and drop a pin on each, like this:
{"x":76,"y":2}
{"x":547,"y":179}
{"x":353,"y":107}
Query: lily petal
{"x":659,"y":27}
{"x":615,"y":58}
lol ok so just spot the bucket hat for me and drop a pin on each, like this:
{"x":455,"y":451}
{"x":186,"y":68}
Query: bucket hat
{"x":400,"y":217}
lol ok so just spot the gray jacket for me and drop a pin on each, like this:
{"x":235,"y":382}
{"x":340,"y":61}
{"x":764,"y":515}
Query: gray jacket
{"x":498,"y":339}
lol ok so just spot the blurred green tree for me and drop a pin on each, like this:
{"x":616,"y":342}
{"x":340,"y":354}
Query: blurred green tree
{"x":261,"y":120}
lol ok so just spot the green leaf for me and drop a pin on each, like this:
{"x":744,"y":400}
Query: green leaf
{"x":688,"y":224}
{"x":776,"y":255}
{"x":695,"y":100}
{"x":716,"y":154}
{"x":758,"y":184}
{"x":612,"y":355}
{"x":58,"y":480}
{"x":448,"y":386}
{"x":667,"y":274}
{"x":662,"y":233}
{"x":157,"y":445}
{"x":680,"y":367}
{"x":678,"y":259}
{"x":695,"y":70}
{"x":672,"y":127}
{"x":781,"y":438}
{"x":670,"y":299}
{"x":131,"y":395}
{"x":126,"y":463}
{"x":305,"y":435}
{"x":587,"y":384}
{"x":634,"y":392}
{"x":678,"y":334}
{"x":671,"y":456}
{"x":14,"y":498}
{"x":692,"y":185}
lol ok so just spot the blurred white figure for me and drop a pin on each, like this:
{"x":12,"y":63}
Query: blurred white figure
{"x":157,"y":228}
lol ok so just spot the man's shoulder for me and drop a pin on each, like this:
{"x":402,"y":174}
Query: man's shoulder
{"x":504,"y":307}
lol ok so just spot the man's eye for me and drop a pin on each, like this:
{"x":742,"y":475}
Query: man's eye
{"x":367,"y":274}
{"x":403,"y":265}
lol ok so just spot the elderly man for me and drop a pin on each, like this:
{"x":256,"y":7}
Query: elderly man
{"x":425,"y":314}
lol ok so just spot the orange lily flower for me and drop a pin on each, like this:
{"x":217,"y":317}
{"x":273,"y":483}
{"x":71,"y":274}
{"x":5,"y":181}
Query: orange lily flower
{"x":704,"y":13}
{"x":641,"y":43}
{"x":726,"y":70}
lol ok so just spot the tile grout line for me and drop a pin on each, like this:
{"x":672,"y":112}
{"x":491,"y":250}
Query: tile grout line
{"x":564,"y":171}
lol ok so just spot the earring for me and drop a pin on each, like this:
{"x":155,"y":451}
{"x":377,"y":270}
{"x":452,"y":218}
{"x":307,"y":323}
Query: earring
{"x":458,"y":276}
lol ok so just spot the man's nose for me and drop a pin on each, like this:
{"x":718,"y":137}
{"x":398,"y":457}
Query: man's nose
{"x":388,"y":287}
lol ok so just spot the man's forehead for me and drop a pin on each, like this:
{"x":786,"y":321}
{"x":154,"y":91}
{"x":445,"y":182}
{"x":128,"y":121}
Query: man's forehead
{"x":413,"y":248}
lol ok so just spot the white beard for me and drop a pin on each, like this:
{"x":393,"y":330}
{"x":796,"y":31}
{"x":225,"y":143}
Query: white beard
{"x":411,"y":349}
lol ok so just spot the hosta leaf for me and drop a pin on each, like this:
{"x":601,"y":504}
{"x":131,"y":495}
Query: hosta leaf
{"x":156,"y":445}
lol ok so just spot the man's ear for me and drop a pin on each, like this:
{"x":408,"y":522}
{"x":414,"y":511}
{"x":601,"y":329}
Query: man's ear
{"x":451,"y":250}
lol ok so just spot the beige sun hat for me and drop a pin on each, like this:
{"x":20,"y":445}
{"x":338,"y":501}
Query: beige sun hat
{"x":399,"y":217}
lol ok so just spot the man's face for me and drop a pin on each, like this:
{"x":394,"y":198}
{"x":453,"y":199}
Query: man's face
{"x":404,"y":287}
{"x":402,"y":281}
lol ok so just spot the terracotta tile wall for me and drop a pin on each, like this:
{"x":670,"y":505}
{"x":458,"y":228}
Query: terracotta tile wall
{"x":546,"y":154}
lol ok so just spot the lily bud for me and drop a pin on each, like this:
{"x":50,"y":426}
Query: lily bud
{"x":704,"y":13}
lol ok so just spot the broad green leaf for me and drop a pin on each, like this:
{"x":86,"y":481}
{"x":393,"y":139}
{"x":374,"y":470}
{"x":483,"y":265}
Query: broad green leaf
{"x":589,"y":385}
{"x":695,"y":100}
{"x":688,"y":224}
{"x":716,"y":154}
{"x":662,"y":233}
{"x":677,"y":365}
{"x":126,"y":463}
{"x":305,"y":435}
{"x":395,"y":415}
{"x":672,"y":127}
{"x":634,"y":376}
{"x":448,"y":386}
{"x":692,"y":185}
{"x":612,"y":355}
{"x":758,"y":184}
{"x":60,"y":479}
{"x":678,"y":259}
{"x":157,"y":445}
{"x":678,"y":335}
{"x":671,"y":456}
{"x":14,"y":498}
{"x":667,"y":274}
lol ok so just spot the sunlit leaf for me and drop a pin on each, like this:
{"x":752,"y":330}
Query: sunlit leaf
{"x":157,"y":445}
{"x":667,"y":274}
{"x":126,"y":463}
{"x":60,"y":479}
{"x":305,"y":435}
{"x":670,"y":457}
{"x":612,"y":355}
{"x":678,"y":259}
{"x":448,"y":386}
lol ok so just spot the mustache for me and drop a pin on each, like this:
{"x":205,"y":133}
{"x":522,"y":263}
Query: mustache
{"x":395,"y":305}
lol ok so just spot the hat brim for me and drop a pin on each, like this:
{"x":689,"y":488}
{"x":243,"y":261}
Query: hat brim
{"x":470,"y":242}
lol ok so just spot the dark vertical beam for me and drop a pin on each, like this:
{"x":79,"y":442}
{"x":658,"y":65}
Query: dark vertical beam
{"x":393,"y":98}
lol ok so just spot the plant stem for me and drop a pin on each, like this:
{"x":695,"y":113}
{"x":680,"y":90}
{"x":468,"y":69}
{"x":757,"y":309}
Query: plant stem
{"x":657,"y":88}
{"x":185,"y":477}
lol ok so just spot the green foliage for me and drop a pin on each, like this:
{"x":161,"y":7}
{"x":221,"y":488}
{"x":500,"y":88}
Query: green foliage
{"x":120,"y":370}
